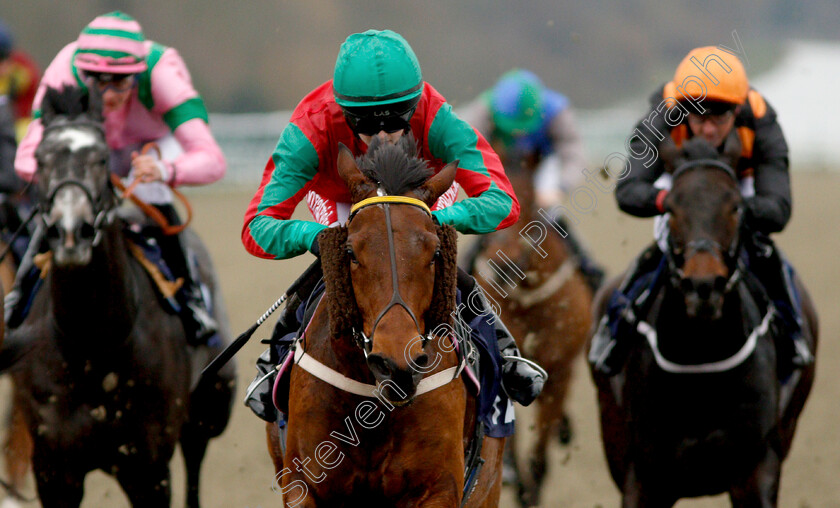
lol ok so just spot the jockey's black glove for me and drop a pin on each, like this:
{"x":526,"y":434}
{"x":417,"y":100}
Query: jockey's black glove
{"x":315,"y":248}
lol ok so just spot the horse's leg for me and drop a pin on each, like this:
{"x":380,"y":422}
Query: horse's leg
{"x":639,"y":494}
{"x":146,"y":485}
{"x":17,"y":450}
{"x":193,"y":447}
{"x":761,"y":489}
{"x":550,"y":414}
{"x":210,"y":408}
{"x":60,"y":485}
{"x":272,"y":437}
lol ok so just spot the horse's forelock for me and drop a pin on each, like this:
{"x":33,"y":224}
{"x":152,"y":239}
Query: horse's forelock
{"x":395,"y":167}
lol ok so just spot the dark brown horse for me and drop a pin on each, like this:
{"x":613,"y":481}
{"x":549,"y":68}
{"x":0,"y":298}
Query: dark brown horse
{"x":698,"y":408}
{"x":396,"y":431}
{"x":106,"y":382}
{"x":528,"y":269}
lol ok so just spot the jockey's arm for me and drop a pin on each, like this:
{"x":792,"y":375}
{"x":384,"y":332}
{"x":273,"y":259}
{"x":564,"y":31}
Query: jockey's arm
{"x":769,"y":210}
{"x":268,"y":230}
{"x":182,"y":109}
{"x":202,"y":161}
{"x":57,"y":75}
{"x":635,"y":192}
{"x":491,"y":204}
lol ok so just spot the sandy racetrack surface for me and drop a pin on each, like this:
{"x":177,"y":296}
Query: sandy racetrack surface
{"x":238,"y":473}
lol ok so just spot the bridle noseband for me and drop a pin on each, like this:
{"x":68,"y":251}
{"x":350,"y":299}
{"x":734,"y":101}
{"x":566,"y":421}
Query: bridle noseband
{"x":365,"y":342}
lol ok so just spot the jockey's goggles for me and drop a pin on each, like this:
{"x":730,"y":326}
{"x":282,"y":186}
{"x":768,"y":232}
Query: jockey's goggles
{"x":105,"y":81}
{"x":716,"y":118}
{"x":372,"y":120}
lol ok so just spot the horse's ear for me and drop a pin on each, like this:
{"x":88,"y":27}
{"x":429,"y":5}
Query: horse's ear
{"x":48,"y":107}
{"x":438,"y":184}
{"x":732,"y":149}
{"x":360,"y":186}
{"x":95,"y":104}
{"x":670,"y":155}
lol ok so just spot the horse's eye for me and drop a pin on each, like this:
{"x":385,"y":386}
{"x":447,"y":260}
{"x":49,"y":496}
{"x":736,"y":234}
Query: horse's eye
{"x":351,"y":255}
{"x":436,"y":256}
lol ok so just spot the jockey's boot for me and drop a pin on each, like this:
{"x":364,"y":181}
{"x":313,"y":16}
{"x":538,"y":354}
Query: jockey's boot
{"x":522,"y":379}
{"x":592,"y":272}
{"x":16,"y":300}
{"x":612,"y":340}
{"x":199,"y":324}
{"x":767,"y":264}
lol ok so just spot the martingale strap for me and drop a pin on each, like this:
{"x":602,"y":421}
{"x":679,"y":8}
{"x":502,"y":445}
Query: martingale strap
{"x":649,"y":332}
{"x":342,"y":382}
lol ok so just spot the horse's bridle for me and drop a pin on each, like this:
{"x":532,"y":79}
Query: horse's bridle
{"x":674,"y":254}
{"x":365,"y":342}
{"x":103,"y":209}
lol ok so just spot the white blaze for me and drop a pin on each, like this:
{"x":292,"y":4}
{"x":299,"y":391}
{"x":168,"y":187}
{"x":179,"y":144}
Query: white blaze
{"x":77,"y":139}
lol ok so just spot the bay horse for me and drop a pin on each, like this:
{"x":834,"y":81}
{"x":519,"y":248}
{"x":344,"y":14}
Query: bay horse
{"x":106,"y":382}
{"x":700,"y":406}
{"x":396,"y":432}
{"x":530,"y":272}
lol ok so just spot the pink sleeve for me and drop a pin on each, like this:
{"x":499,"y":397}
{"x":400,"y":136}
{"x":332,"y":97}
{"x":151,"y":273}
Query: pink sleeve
{"x":171,"y":82}
{"x":58,"y":74}
{"x":202,"y":161}
{"x":25,"y":164}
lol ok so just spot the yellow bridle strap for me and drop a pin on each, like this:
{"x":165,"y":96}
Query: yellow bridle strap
{"x":389,"y":199}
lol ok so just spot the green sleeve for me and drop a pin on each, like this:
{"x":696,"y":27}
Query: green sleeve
{"x":488,"y":206}
{"x":295,"y":165}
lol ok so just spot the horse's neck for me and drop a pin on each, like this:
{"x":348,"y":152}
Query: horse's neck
{"x":102,"y":296}
{"x":523,"y":186}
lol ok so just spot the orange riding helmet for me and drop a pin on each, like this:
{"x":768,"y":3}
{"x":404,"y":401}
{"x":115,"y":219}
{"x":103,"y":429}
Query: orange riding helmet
{"x":722,"y":75}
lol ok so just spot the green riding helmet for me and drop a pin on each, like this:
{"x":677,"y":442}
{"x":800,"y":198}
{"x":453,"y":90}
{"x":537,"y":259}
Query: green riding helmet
{"x":376,"y":68}
{"x":516,"y":102}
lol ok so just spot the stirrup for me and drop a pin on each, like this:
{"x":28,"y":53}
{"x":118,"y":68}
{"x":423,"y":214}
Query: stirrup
{"x":532,"y":381}
{"x":534,"y":365}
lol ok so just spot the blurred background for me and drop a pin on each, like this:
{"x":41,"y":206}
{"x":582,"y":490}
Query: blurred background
{"x":261,"y":57}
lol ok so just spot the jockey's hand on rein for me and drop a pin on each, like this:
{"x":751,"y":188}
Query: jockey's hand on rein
{"x":315,"y":248}
{"x":147,"y":168}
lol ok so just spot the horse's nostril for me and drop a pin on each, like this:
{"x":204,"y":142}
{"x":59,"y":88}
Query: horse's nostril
{"x":422,"y":360}
{"x":720,"y":283}
{"x":704,"y":289}
{"x":687,"y":285}
{"x":53,"y":233}
{"x":87,"y":231}
{"x":379,"y":366}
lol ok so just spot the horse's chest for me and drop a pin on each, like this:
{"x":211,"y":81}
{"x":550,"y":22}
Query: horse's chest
{"x":95,"y":406}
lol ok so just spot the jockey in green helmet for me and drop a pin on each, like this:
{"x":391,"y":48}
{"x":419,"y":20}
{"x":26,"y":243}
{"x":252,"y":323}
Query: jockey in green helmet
{"x":378,"y":91}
